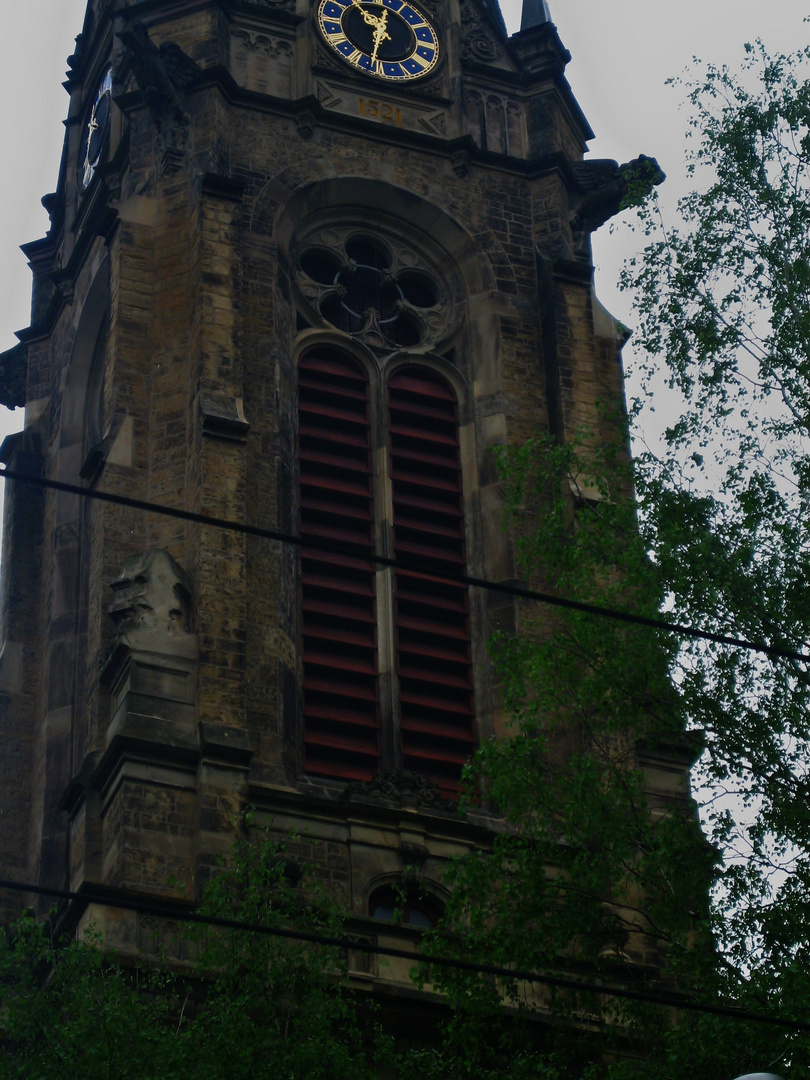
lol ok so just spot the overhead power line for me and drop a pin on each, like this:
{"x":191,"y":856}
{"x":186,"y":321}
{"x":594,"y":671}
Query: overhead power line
{"x":423,"y":567}
{"x":665,"y":1000}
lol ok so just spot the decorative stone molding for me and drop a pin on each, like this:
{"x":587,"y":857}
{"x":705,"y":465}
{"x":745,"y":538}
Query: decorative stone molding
{"x":262,"y":62}
{"x":275,"y":5}
{"x":327,"y":95}
{"x":495,"y":123}
{"x":403,"y":788}
{"x":477,"y":41}
{"x":223,"y":417}
{"x":225,"y":745}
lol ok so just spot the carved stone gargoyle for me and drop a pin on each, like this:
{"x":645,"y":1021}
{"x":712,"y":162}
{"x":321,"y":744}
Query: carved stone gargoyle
{"x":606,"y":188}
{"x":161,"y":74}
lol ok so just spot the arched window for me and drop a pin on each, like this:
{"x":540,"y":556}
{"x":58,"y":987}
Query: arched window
{"x":405,"y":907}
{"x":432,"y":623}
{"x":428,"y":718}
{"x":339,"y":619}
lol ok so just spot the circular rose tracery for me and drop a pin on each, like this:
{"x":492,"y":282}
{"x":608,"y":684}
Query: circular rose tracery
{"x":365,"y":289}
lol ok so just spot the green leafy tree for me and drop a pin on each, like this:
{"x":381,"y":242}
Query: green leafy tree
{"x":590,"y":874}
{"x":244,"y":1005}
{"x":724,"y":303}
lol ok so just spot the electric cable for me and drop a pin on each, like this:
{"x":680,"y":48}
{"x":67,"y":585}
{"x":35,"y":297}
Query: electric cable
{"x":668,"y":1000}
{"x":665,"y":1000}
{"x":423,"y":567}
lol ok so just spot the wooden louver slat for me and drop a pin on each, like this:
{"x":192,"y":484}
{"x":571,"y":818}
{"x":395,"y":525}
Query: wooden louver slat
{"x":340,"y":706}
{"x":432,"y":623}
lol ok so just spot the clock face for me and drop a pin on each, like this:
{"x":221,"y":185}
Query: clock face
{"x":96,"y":130}
{"x":390,"y":39}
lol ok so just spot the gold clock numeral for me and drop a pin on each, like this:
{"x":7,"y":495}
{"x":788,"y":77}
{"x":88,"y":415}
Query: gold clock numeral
{"x":355,"y":57}
{"x":337,"y":39}
{"x":420,"y":60}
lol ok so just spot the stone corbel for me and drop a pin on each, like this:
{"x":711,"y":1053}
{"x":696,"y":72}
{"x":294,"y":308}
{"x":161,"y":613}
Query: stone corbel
{"x":223,"y":417}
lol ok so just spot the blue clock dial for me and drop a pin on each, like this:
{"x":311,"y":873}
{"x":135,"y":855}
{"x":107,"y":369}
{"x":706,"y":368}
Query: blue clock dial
{"x":389,"y":39}
{"x":96,"y":130}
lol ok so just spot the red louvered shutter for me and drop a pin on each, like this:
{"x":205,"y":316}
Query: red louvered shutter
{"x":432,"y":624}
{"x":340,"y":688}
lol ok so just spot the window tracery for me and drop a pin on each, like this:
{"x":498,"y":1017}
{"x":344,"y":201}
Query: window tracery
{"x":374,"y":287}
{"x":387,"y":679}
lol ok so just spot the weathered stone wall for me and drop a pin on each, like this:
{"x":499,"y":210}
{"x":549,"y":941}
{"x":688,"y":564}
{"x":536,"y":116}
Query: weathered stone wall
{"x":134,"y":767}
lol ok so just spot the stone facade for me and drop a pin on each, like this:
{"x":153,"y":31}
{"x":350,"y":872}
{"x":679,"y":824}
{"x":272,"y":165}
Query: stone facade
{"x":151,"y":667}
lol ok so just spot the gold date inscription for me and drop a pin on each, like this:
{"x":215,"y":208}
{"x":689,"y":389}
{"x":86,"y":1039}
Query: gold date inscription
{"x":380,"y":110}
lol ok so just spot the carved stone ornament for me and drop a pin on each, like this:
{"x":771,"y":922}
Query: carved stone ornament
{"x":477,"y":40}
{"x":461,"y":162}
{"x":435,"y":88}
{"x":403,"y":788}
{"x":306,"y":124}
{"x":435,"y":124}
{"x":274,"y":5}
{"x":375,"y":287}
{"x":152,"y":599}
{"x":161,"y":74}
{"x":414,"y":855}
{"x":13,"y":372}
{"x":324,"y":59}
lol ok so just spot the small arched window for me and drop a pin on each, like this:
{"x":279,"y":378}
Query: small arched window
{"x":405,"y":907}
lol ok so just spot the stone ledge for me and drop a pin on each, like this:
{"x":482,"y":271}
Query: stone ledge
{"x":225,"y":745}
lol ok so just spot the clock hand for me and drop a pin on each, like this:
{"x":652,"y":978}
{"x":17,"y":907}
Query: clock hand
{"x":368,"y":18}
{"x":380,"y":35}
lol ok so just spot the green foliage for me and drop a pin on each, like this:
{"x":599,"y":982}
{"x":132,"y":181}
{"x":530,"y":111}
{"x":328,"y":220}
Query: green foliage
{"x":588,"y":876}
{"x":724,"y":303}
{"x":591,"y":874}
{"x":246,"y":1006}
{"x":723,"y":298}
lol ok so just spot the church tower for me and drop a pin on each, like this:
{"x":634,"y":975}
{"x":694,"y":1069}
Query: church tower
{"x":309,"y":262}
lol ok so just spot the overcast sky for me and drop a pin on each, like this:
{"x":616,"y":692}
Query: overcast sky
{"x":623,"y":51}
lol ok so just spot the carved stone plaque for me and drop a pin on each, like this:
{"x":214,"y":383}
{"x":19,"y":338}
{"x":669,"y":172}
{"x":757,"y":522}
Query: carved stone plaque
{"x":381,"y":108}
